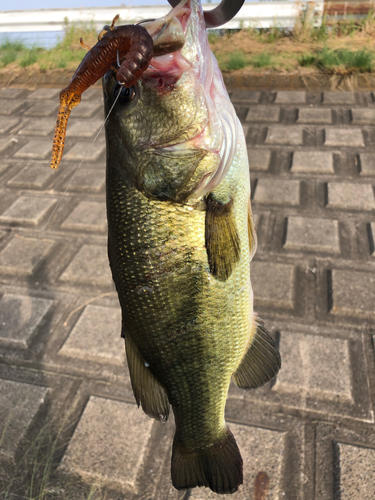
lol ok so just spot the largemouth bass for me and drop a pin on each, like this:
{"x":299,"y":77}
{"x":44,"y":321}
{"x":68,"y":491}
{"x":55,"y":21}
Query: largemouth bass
{"x":180,"y":242}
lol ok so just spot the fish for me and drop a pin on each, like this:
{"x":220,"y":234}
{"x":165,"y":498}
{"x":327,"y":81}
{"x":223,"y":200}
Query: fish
{"x":180,"y":241}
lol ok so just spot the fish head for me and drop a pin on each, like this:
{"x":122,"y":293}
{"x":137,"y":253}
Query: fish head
{"x":175,"y":132}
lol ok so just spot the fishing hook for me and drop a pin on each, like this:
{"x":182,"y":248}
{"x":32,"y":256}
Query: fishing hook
{"x":221,"y":14}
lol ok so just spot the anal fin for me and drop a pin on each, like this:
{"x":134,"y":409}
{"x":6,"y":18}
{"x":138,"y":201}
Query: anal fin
{"x":148,"y":391}
{"x":222,"y":240}
{"x":261,"y":362}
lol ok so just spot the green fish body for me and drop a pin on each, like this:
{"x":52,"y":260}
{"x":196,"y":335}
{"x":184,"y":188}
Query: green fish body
{"x":180,"y":242}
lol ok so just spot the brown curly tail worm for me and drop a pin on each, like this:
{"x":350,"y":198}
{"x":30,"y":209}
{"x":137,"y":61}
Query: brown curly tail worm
{"x":133,"y":43}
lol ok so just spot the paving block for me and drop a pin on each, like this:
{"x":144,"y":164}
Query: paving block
{"x":88,"y":215}
{"x":86,"y":109}
{"x":357,"y":472}
{"x":314,"y":115}
{"x":19,"y":404}
{"x":96,"y":336}
{"x":259,"y":159}
{"x":284,"y":135}
{"x":263,"y":114}
{"x":109,"y":444}
{"x":90,"y":266}
{"x":273,"y":284}
{"x":319,"y":235}
{"x":10,"y":107}
{"x":23,"y":255}
{"x":32,"y":176}
{"x":363,"y":116}
{"x":8,"y":124}
{"x":290,"y":97}
{"x":314,"y":162}
{"x":19,"y":318}
{"x":44,"y":94}
{"x":316,"y":366}
{"x":348,"y":137}
{"x":88,"y":180}
{"x":84,"y":128}
{"x":80,"y":149}
{"x":367,"y":164}
{"x":9,"y":93}
{"x":353,"y":292}
{"x":35,"y":149}
{"x":277,"y":192}
{"x":5,"y":143}
{"x":45,"y":108}
{"x":339,"y":98}
{"x":262,"y":450}
{"x":249,"y":97}
{"x":28,"y":210}
{"x":352,"y":196}
{"x":43,"y":126}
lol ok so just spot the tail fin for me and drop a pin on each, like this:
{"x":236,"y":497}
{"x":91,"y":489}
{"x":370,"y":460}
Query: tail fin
{"x":218,"y":467}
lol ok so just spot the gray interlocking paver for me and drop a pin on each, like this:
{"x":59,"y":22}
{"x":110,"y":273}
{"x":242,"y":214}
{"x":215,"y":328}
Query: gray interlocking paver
{"x":353,"y":292}
{"x":290,"y":97}
{"x":315,"y":366}
{"x":334,"y":98}
{"x":32,"y":177}
{"x":88,"y":215}
{"x":44,"y":94}
{"x":96,"y":336}
{"x":263,"y":114}
{"x":347,"y":195}
{"x":310,"y":162}
{"x":83,"y":128}
{"x":90,"y":266}
{"x":81,"y":150}
{"x":88,"y":180}
{"x":273,"y":284}
{"x":357,"y":472}
{"x":10,"y":107}
{"x":363,"y":116}
{"x":43,"y":127}
{"x":86,"y":109}
{"x":28,"y":210}
{"x":35,"y":149}
{"x":5,"y":143}
{"x":259,"y":159}
{"x":19,"y":404}
{"x":8,"y":124}
{"x":97,"y":453}
{"x":313,"y":282}
{"x":277,"y":135}
{"x":320,"y":235}
{"x":43,"y":108}
{"x":23,"y":255}
{"x":314,"y":115}
{"x":367,"y":164}
{"x":268,"y":446}
{"x":19,"y":318}
{"x":284,"y":192}
{"x":351,"y":137}
{"x":9,"y":93}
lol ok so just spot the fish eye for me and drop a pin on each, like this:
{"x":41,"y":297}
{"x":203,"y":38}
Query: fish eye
{"x":127,"y":94}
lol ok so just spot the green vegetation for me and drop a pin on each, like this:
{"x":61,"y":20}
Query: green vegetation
{"x":344,"y":59}
{"x":262,"y":60}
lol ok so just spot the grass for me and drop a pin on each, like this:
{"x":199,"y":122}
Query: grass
{"x":335,"y":47}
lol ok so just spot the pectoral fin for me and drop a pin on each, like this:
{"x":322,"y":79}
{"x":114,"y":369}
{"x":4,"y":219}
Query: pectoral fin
{"x":261,"y":362}
{"x":253,"y":240}
{"x":148,"y":392}
{"x":222,"y":240}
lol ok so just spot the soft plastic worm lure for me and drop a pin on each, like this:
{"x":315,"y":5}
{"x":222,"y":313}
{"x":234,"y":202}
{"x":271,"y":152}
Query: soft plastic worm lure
{"x":132,"y":44}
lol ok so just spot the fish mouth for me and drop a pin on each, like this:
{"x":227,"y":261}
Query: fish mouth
{"x":168,"y":34}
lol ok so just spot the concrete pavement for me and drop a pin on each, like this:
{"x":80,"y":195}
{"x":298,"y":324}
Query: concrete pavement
{"x":68,"y":423}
